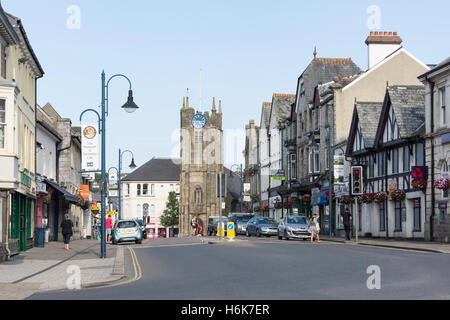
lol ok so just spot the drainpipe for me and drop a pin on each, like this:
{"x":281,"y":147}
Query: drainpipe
{"x":433,"y":196}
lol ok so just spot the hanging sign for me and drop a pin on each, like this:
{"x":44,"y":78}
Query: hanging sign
{"x":89,"y":147}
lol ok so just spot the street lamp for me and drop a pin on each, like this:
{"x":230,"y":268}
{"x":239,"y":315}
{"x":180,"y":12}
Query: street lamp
{"x":131,"y":166}
{"x":239,"y":167}
{"x":129,"y":107}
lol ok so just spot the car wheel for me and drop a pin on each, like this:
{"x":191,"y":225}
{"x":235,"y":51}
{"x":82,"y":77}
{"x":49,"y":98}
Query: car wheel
{"x":304,"y":239}
{"x":114,"y":241}
{"x":258,"y":234}
{"x":279,"y":237}
{"x":247,"y":233}
{"x":285,"y":235}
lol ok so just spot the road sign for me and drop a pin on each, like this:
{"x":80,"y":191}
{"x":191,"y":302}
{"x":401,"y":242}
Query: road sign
{"x":230,"y":230}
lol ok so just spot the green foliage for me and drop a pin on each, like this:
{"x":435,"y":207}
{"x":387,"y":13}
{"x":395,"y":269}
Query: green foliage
{"x":171,"y":215}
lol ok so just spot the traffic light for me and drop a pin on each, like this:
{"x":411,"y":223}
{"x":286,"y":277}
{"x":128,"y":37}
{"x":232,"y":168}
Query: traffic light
{"x":357,"y":180}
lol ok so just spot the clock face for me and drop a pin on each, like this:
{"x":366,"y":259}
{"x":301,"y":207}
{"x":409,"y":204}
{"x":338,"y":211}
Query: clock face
{"x":198,"y":121}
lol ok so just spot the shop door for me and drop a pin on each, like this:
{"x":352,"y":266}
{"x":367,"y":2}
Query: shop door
{"x":22,"y":224}
{"x":162,"y":232}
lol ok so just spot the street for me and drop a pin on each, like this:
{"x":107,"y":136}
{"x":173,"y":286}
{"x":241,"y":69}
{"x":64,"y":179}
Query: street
{"x":263,"y":268}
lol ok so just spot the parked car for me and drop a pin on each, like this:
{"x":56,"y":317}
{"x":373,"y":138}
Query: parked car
{"x":212,"y":225}
{"x":294,"y":227}
{"x":142,"y":225}
{"x":259,"y":226}
{"x":127,"y":230}
{"x":240,"y":221}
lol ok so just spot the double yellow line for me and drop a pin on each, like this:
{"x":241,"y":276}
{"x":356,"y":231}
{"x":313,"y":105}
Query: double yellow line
{"x":136,"y":266}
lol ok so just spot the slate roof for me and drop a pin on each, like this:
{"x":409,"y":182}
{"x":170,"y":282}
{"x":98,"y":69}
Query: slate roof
{"x":157,"y":169}
{"x":323,"y":70}
{"x":435,"y":68}
{"x":409,"y":108}
{"x":368,"y":117}
{"x":265,"y":114}
{"x":281,"y":106}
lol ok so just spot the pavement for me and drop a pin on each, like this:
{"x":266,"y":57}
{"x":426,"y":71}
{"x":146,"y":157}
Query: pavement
{"x":426,"y":246}
{"x":53,"y":268}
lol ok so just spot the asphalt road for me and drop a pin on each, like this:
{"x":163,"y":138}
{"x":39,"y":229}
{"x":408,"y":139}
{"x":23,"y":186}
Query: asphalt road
{"x":275,"y":270}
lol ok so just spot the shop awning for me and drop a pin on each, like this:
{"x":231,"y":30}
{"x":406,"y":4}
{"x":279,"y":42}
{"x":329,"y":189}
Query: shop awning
{"x":67,"y":195}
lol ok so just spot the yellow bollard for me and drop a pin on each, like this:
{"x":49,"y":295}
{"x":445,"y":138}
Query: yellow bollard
{"x":220,"y":229}
{"x":230,"y":230}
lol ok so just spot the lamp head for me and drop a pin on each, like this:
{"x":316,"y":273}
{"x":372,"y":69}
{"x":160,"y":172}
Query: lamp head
{"x":130,"y":106}
{"x":132,"y":165}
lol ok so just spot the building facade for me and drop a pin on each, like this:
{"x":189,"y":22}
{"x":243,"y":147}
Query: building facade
{"x":437,"y":91}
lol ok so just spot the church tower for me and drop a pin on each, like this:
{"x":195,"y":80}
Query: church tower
{"x":201,"y":160}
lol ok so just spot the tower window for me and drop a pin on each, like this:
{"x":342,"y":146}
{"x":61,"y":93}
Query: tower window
{"x":198,"y":195}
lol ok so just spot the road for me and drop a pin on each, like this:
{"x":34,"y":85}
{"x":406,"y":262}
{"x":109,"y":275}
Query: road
{"x":275,"y":270}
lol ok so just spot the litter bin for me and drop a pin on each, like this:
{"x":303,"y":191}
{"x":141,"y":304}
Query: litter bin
{"x":39,"y":237}
{"x":46,"y":235}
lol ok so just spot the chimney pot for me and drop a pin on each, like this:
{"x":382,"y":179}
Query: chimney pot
{"x":390,"y":33}
{"x":385,"y":33}
{"x":371,"y":33}
{"x":395,"y":33}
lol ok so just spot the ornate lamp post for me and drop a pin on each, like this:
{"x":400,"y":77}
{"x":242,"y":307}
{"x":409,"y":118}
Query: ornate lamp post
{"x":131,"y":166}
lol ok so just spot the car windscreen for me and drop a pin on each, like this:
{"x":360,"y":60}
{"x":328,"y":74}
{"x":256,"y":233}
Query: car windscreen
{"x":126,"y":224}
{"x":266,"y":221}
{"x":245,"y":218}
{"x":296,"y":220}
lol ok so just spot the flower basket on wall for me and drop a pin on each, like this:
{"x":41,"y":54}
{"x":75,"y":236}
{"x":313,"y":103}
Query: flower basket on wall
{"x":327,"y":195}
{"x":380,"y":196}
{"x":419,"y":184}
{"x":346,"y":200}
{"x":306,"y":197}
{"x":398,"y":195}
{"x":442,"y":184}
{"x":368,"y":197}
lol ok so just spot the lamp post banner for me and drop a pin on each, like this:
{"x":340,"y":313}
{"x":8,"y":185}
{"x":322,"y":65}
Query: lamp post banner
{"x":89,"y":147}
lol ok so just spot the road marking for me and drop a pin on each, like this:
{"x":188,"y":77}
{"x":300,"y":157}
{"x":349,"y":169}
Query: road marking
{"x":170,"y":245}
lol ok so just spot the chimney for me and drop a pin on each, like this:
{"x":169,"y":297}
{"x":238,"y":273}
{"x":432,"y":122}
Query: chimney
{"x":381,"y":45}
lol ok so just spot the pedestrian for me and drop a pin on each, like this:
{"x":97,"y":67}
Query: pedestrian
{"x":67,"y":226}
{"x":194,"y":225}
{"x":199,"y":226}
{"x":346,"y":218}
{"x":314,"y":228}
{"x":108,"y":225}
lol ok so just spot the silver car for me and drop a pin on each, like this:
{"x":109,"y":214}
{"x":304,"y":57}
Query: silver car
{"x":259,"y":226}
{"x":294,"y":227}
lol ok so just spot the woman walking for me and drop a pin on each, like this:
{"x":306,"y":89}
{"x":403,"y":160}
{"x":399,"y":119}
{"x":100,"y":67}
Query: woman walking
{"x":314,"y":228}
{"x":67,"y":232}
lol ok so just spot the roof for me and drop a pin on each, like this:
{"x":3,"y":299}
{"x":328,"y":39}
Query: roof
{"x":368,"y":115}
{"x":265,"y":114}
{"x":157,"y":169}
{"x":441,"y":65}
{"x":281,"y":106}
{"x":409,"y":108}
{"x":6,"y":29}
{"x":323,"y":70}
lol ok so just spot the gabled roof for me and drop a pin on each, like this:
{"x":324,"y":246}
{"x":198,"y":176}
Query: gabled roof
{"x":157,"y":169}
{"x":323,"y":70}
{"x":6,"y":29}
{"x":438,"y":67}
{"x":281,"y":106}
{"x":366,"y":115}
{"x":265,"y":114}
{"x":408,"y":103}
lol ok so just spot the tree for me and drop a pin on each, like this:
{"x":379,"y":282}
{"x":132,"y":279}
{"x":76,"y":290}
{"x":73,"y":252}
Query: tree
{"x":171,"y":215}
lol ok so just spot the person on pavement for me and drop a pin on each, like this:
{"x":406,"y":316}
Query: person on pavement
{"x":346,"y":218}
{"x":67,"y":230}
{"x":199,"y":226}
{"x":108,"y":225}
{"x":194,"y":225}
{"x":314,"y":228}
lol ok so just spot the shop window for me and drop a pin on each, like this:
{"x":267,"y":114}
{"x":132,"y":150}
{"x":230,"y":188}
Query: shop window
{"x":442,"y":212}
{"x":417,"y":215}
{"x":382,"y":217}
{"x":398,"y":216}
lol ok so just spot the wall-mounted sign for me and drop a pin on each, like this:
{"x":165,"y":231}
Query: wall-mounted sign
{"x":89,"y":147}
{"x":84,"y":191}
{"x":278,"y":175}
{"x":419,"y":172}
{"x":338,"y":169}
{"x":112,"y":179}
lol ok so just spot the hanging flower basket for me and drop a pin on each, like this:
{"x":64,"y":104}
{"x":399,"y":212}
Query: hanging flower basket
{"x":306,"y":197}
{"x":250,"y":210}
{"x":380,"y":196}
{"x":327,"y":195}
{"x":278,"y":205}
{"x":293,"y":200}
{"x":398,"y":195}
{"x":286,"y":205}
{"x":256,"y":208}
{"x":265,"y":207}
{"x":346,"y":200}
{"x":442,"y":184}
{"x":359,"y":199}
{"x":419,"y":184}
{"x":368,"y":197}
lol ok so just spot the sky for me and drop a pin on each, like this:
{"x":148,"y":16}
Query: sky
{"x":247,"y":50}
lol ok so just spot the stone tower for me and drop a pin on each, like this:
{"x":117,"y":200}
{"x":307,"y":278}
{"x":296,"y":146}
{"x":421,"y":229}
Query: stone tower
{"x":201,"y":161}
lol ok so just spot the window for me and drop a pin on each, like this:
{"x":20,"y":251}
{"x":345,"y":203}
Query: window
{"x":395,"y":161}
{"x":302,"y":87}
{"x":444,"y":174}
{"x":382,"y":217}
{"x":293,"y":166}
{"x":2,"y":123}
{"x":314,"y":164}
{"x":442,"y":212}
{"x":381,"y":164}
{"x":398,"y":216}
{"x":406,"y":160}
{"x":420,"y":154}
{"x":128,"y":189}
{"x":139,"y":211}
{"x":371,"y":166}
{"x":152,"y":190}
{"x":145,"y":207}
{"x":145,"y":189}
{"x":417,"y":215}
{"x":198,"y":196}
{"x":443,"y":109}
{"x":138,"y":190}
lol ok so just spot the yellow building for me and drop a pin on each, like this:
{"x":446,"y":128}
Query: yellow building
{"x":20,"y":70}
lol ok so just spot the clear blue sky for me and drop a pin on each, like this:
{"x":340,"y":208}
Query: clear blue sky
{"x":247,"y":50}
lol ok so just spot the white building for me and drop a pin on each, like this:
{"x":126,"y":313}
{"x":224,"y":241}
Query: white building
{"x":263,"y":141}
{"x":146,"y":190}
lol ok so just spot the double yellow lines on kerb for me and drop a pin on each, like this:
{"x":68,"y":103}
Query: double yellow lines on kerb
{"x":136,"y":266}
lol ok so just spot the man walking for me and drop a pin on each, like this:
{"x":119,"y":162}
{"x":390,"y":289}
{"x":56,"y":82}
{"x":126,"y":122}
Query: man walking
{"x":346,"y":218}
{"x":108,"y":225}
